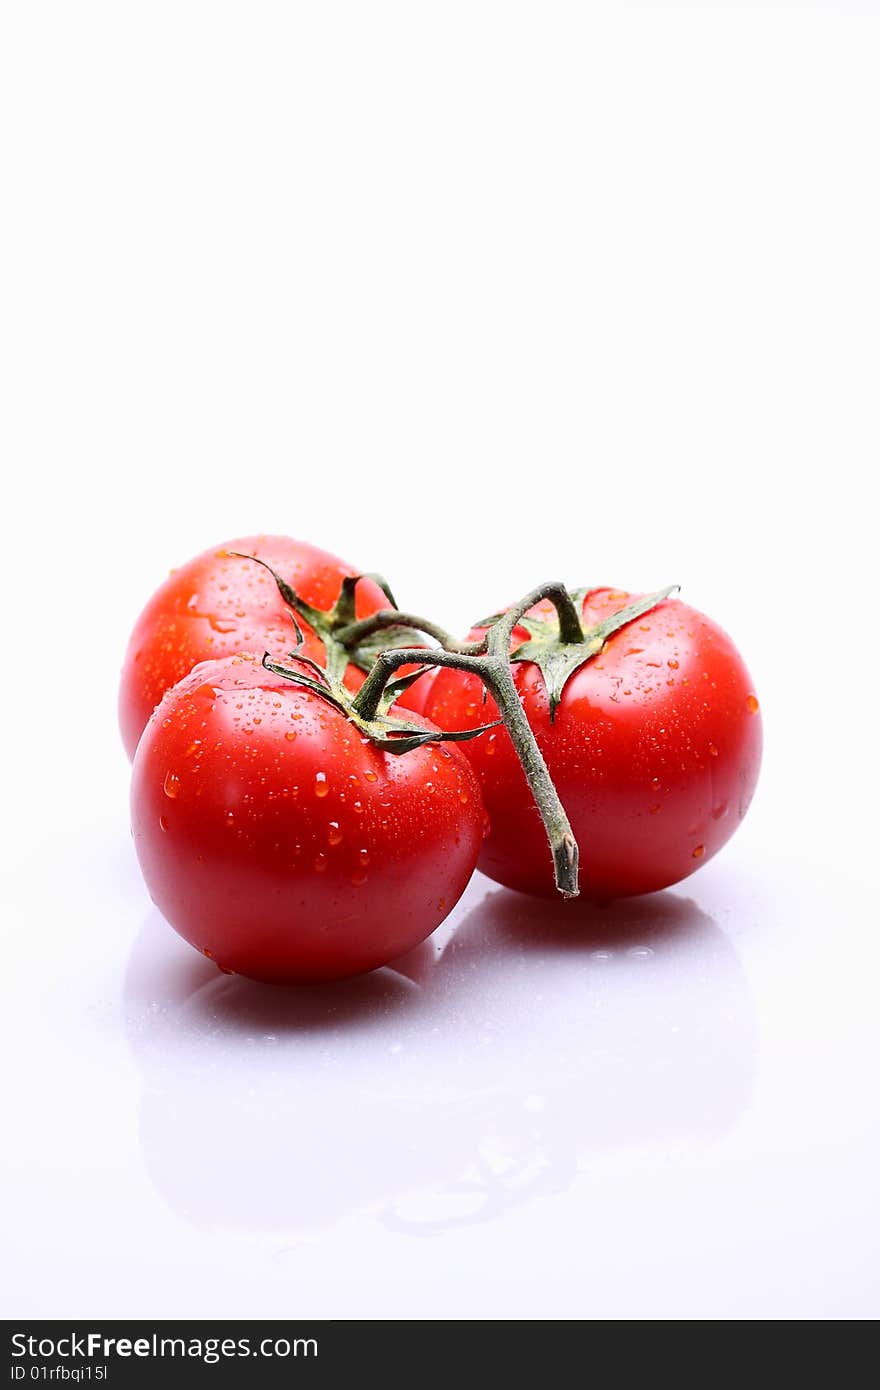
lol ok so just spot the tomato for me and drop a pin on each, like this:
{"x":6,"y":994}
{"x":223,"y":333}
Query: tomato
{"x":283,"y":844}
{"x":217,"y":605}
{"x":654,"y":751}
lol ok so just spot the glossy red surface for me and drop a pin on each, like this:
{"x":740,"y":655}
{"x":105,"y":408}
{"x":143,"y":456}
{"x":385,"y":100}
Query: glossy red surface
{"x":217,"y":605}
{"x":655,"y":751}
{"x":282,"y":844}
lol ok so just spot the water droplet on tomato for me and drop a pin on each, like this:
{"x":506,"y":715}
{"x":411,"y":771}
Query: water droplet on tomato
{"x":321,"y":787}
{"x":699,"y":851}
{"x":713,"y":751}
{"x":359,"y":807}
{"x":290,"y":735}
{"x":163,"y":823}
{"x":672,"y":664}
{"x":752,"y":704}
{"x":371,"y":776}
{"x":223,"y":624}
{"x":490,"y":746}
{"x":171,"y":785}
{"x":463,"y":797}
{"x":320,"y":863}
{"x":334,"y":834}
{"x":229,"y":820}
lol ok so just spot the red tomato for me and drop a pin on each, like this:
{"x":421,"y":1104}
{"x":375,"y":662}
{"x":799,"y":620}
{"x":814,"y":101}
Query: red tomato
{"x":281,"y":843}
{"x":217,"y":605}
{"x":654,"y":752}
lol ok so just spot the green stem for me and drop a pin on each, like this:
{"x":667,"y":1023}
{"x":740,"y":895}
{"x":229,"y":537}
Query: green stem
{"x":493,"y":669}
{"x":570,"y":629}
{"x":355,"y":633}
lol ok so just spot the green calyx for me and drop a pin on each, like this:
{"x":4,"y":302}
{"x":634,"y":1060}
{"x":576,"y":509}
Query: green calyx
{"x":558,"y":659}
{"x":387,"y":732}
{"x":338,"y":627}
{"x":389,"y":640}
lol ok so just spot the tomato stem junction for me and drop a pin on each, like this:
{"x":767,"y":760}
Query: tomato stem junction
{"x":491,"y":663}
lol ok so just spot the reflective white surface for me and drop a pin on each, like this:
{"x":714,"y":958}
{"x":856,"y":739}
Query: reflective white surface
{"x":658,"y":1109}
{"x":517,"y":293}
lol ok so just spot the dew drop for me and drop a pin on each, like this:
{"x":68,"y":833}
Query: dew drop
{"x":699,"y":851}
{"x":463,"y":797}
{"x":490,"y":746}
{"x":752,"y":704}
{"x":371,"y":776}
{"x":672,"y":664}
{"x":223,"y":624}
{"x":163,"y":823}
{"x":320,"y":863}
{"x":290,"y":735}
{"x":321,"y":787}
{"x":713,"y":751}
{"x":334,"y":834}
{"x":172,"y":785}
{"x":229,"y":820}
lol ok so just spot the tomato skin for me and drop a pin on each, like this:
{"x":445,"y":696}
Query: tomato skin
{"x":655,"y":752}
{"x":416,"y":697}
{"x":279,"y":843}
{"x":217,"y":605}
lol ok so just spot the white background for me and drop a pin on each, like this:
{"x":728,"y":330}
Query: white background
{"x":477,"y":295}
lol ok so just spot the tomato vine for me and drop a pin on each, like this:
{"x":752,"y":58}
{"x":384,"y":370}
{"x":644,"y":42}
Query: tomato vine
{"x":388,"y":639}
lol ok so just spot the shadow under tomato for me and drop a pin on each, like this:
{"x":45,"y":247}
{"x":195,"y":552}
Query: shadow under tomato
{"x":658,"y":920}
{"x":538,"y":1037}
{"x":162,"y":968}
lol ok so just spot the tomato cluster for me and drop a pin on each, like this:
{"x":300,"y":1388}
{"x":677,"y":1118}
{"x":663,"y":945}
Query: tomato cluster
{"x":293,"y":831}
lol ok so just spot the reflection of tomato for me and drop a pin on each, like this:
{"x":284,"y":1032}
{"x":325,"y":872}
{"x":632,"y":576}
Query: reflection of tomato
{"x":654,"y":751}
{"x":283,"y":844}
{"x":361,"y":1090}
{"x":217,"y":605}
